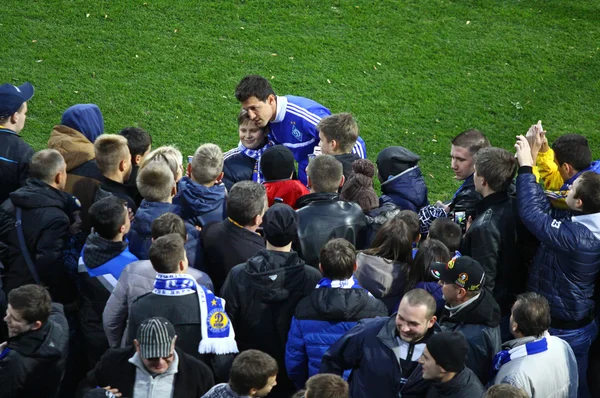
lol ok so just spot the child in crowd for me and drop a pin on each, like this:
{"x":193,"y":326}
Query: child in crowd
{"x":401,"y":180}
{"x":168,"y":154}
{"x":201,"y":197}
{"x":243,"y":162}
{"x":333,"y":308}
{"x":359,"y":189}
{"x":414,"y":227}
{"x":382,"y":268}
{"x":419,"y":275}
{"x":277,"y":167}
{"x":114,"y":161}
{"x":338,"y":134}
{"x":104,"y":256}
{"x":448,"y":232}
{"x":140,"y":144}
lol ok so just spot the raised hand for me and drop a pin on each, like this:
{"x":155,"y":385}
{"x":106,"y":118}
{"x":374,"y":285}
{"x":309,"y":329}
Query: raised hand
{"x":523,"y":151}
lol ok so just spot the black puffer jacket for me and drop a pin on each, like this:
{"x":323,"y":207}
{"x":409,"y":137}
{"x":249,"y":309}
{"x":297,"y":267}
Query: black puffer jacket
{"x":33,"y":363}
{"x":46,"y":229}
{"x":323,"y":216}
{"x":479,"y":323}
{"x":15,"y":155}
{"x":492,"y":240}
{"x":261,"y":297}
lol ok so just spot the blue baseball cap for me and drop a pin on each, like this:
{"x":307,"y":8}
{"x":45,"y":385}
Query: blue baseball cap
{"x":12,"y":97}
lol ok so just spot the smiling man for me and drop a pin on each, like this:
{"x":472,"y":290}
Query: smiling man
{"x":153,"y":368}
{"x":292,"y":120}
{"x":383,"y":352}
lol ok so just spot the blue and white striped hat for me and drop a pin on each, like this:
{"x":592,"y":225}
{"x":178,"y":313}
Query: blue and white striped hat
{"x":155,"y":337}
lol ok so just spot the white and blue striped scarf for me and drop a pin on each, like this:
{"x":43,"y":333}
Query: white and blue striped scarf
{"x":350,"y":283}
{"x":255,"y":154}
{"x":505,"y":356}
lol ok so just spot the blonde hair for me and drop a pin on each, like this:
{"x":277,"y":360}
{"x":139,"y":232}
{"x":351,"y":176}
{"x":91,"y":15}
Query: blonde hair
{"x":167,"y":154}
{"x":110,"y":150}
{"x":155,"y":182}
{"x":207,"y":163}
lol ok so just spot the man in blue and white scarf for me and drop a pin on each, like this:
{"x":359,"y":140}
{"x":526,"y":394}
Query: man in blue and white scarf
{"x":202,"y":325}
{"x":540,"y":364}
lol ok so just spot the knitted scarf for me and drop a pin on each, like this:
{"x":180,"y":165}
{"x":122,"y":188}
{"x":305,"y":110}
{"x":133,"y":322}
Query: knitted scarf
{"x":350,"y":283}
{"x":218,"y":336}
{"x":255,"y":154}
{"x":505,"y":356}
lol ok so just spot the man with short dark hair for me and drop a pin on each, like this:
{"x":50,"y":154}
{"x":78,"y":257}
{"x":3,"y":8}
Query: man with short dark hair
{"x":322,"y":216}
{"x":383,"y":352}
{"x":491,"y":239}
{"x":46,"y":212}
{"x":199,"y":317}
{"x":292,"y":120}
{"x":15,"y":153}
{"x":234,"y":240}
{"x":138,"y":278}
{"x":471,"y":310}
{"x":139,"y":143}
{"x":333,"y":308}
{"x":152,"y":368}
{"x":448,"y":232}
{"x":540,"y":364}
{"x":114,"y":161}
{"x":103,"y":258}
{"x":443,"y":362}
{"x":262,"y":293}
{"x":568,"y":256}
{"x":464,"y":147}
{"x":253,"y":374}
{"x":32,"y":361}
{"x":326,"y":386}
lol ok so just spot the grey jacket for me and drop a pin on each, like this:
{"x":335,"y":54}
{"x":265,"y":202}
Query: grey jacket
{"x":136,"y":280}
{"x":548,"y":374}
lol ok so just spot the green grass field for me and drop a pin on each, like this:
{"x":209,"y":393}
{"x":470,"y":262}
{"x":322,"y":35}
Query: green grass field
{"x":414,"y":73}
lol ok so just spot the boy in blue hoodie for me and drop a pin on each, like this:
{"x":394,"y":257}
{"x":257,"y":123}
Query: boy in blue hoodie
{"x":157,"y":185}
{"x":201,"y":197}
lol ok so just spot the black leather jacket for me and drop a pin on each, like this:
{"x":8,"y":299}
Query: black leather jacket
{"x":323,"y":216}
{"x":466,"y":198}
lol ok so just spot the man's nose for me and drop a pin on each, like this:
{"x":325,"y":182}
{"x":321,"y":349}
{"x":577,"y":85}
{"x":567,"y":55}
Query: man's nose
{"x":251,"y":114}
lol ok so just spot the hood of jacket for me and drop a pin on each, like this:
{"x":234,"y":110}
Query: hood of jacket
{"x":483,"y":311}
{"x":335,"y":304}
{"x":198,"y":198}
{"x":85,"y":118}
{"x":408,"y":185}
{"x":591,"y":222}
{"x":98,"y":251}
{"x":274,"y":274}
{"x":37,"y":194}
{"x":41,"y":343}
{"x":379,"y":276}
{"x":305,"y":200}
{"x":72,"y":145}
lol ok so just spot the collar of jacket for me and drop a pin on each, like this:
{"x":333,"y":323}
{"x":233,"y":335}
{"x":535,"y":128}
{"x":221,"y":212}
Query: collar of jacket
{"x":493,"y":199}
{"x":483,"y":311}
{"x":29,"y":342}
{"x":316,"y":197}
{"x":454,"y":385}
{"x":510,"y":344}
{"x":8,"y":131}
{"x":387,"y":335}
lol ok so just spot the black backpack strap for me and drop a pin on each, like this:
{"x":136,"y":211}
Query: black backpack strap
{"x":23,"y":246}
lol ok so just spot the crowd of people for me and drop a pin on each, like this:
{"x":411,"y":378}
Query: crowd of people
{"x":275,"y":269}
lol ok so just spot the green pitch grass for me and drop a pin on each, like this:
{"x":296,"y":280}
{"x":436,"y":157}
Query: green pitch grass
{"x":414,"y":73}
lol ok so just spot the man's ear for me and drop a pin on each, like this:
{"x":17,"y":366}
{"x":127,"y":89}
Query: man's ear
{"x":136,"y":345}
{"x":57,"y":179}
{"x":308,"y":182}
{"x":122,"y":165}
{"x":343,"y":180}
{"x":14,"y":118}
{"x":137,"y":159}
{"x":271,"y":99}
{"x":320,"y":268}
{"x":355,"y":267}
{"x":174,"y":190}
{"x":36,"y":325}
{"x":334,"y":145}
{"x":432,"y":322}
{"x":220,"y":178}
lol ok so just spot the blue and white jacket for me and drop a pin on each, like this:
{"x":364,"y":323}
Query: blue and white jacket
{"x":319,"y":321}
{"x":295,"y":126}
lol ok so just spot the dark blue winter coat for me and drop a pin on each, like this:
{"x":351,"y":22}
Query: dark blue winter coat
{"x":200,"y":205}
{"x":407,"y":190}
{"x":565,"y":267}
{"x":237,"y":167}
{"x":319,"y":321}
{"x":368,"y":349}
{"x":140,"y":234}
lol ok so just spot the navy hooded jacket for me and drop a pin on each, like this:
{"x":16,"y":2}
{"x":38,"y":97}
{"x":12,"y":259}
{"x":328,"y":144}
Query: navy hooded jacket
{"x":140,"y":234}
{"x":200,"y":205}
{"x":85,"y":118}
{"x":406,"y":190}
{"x":567,"y":262}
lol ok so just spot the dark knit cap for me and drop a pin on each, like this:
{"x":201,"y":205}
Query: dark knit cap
{"x":394,"y":160}
{"x":359,"y":187}
{"x":449,"y":349}
{"x":280,"y":224}
{"x":277,"y":163}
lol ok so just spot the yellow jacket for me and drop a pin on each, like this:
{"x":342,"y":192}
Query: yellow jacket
{"x":547,"y":170}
